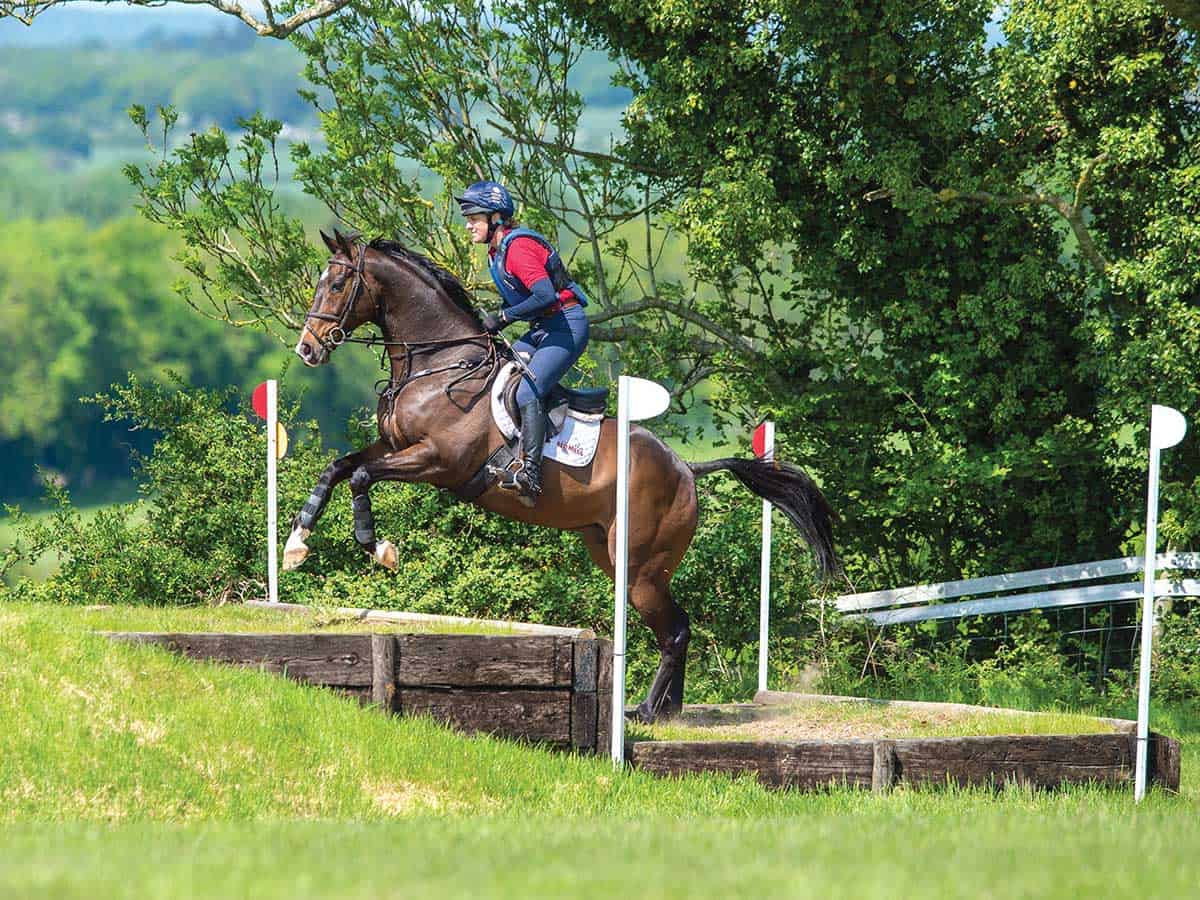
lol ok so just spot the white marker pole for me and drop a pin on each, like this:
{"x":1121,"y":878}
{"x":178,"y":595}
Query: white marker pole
{"x":764,"y":577}
{"x":1167,"y":428}
{"x":272,"y":496}
{"x":637,"y":399}
{"x":621,"y":573}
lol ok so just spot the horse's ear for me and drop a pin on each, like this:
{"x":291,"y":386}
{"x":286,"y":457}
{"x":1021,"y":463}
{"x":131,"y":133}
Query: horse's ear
{"x":329,"y":242}
{"x":343,"y":241}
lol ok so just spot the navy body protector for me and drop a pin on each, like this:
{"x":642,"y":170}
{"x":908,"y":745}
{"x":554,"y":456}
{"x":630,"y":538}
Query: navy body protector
{"x":512,"y":291}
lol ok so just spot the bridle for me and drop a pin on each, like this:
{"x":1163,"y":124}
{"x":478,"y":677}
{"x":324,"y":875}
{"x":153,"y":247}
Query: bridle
{"x":336,"y":335}
{"x":389,"y":389}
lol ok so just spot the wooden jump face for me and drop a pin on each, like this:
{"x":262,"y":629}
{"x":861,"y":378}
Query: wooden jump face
{"x":557,"y":690}
{"x":549,"y":689}
{"x":1041,"y":761}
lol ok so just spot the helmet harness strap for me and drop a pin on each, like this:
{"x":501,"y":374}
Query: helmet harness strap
{"x":492,"y":226}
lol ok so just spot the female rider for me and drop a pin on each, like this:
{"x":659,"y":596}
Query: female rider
{"x":534,"y":287}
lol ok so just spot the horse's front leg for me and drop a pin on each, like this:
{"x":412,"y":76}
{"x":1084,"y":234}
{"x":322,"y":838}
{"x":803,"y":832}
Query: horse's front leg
{"x":419,"y":462}
{"x":295,"y":550}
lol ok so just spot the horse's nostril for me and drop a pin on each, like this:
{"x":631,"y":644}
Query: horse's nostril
{"x":304,"y":350}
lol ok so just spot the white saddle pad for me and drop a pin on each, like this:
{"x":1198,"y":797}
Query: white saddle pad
{"x":574,"y":444}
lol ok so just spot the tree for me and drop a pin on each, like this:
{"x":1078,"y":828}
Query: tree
{"x":424,"y":99}
{"x":937,"y":261}
{"x":982,"y":237}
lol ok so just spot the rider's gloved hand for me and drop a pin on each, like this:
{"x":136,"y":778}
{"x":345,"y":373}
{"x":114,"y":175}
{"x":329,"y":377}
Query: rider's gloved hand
{"x":493,"y":322}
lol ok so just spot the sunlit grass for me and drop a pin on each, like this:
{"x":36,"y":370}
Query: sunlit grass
{"x":129,"y":771}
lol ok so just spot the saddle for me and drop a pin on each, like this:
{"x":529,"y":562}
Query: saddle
{"x":588,"y":401}
{"x":573,"y":420}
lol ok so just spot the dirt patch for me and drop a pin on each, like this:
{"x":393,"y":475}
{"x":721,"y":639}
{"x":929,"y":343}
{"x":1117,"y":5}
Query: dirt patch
{"x":402,"y":798}
{"x":862,"y":720}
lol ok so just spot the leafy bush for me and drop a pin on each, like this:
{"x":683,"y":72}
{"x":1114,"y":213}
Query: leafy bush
{"x":1033,"y":666}
{"x":196,"y":535}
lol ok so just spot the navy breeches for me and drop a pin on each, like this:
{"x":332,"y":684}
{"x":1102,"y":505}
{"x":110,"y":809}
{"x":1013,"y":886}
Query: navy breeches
{"x":555,"y":342}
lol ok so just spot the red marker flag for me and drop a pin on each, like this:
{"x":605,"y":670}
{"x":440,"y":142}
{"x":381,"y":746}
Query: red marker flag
{"x":258,"y":400}
{"x":764,"y":441}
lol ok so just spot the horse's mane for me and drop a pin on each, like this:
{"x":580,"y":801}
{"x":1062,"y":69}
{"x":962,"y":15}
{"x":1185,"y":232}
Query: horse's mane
{"x":447,"y":280}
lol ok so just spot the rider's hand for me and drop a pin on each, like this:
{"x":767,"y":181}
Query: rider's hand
{"x":493,"y":322}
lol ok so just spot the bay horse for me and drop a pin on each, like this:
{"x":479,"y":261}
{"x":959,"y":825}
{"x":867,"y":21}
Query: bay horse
{"x":436,"y":426}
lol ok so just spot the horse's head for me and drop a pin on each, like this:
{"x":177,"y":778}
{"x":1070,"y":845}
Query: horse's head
{"x":344,"y":300}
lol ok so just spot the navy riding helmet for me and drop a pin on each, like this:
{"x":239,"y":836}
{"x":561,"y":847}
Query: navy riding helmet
{"x":487,"y":197}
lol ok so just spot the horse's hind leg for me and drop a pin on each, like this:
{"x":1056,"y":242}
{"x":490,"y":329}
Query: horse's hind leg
{"x":672,"y":630}
{"x":652,"y":599}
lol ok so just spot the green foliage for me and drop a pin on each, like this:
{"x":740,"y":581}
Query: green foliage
{"x":44,"y":189}
{"x":1030,"y":665}
{"x":203,"y":489}
{"x":212,"y":188}
{"x":990,"y":250}
{"x":88,"y":306}
{"x":1176,"y":672}
{"x":197,"y":536}
{"x":91,"y":304}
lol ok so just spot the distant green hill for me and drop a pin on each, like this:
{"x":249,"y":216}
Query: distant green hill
{"x":76,"y":107}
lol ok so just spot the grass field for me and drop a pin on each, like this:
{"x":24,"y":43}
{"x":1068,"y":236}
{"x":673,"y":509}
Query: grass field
{"x":128,"y":772}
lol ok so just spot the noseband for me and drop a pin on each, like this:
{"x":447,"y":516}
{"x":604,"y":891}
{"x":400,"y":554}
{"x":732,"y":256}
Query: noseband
{"x":337,"y":334}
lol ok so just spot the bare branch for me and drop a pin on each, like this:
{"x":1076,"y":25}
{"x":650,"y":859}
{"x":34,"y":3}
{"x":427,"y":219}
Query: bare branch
{"x":739,"y":344}
{"x":25,"y":11}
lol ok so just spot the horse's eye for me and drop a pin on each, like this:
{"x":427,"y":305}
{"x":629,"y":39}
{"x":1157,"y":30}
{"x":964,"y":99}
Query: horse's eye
{"x":339,"y":284}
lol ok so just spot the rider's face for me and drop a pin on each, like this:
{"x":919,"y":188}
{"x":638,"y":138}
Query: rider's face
{"x":477,"y":227}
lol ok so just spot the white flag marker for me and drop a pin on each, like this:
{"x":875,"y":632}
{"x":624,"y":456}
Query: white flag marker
{"x":764,"y":448}
{"x":1167,"y":428}
{"x":637,"y":399}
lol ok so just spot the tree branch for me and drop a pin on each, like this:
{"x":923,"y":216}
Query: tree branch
{"x":743,"y":346}
{"x":567,"y":150}
{"x":1072,"y":212}
{"x":25,"y":11}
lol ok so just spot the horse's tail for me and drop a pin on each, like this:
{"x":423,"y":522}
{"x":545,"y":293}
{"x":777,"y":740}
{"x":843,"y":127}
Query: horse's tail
{"x":792,"y":491}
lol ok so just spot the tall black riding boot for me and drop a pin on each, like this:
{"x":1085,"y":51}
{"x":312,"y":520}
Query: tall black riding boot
{"x":528,"y":478}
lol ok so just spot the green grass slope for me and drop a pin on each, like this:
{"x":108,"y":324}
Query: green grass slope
{"x":128,"y":772}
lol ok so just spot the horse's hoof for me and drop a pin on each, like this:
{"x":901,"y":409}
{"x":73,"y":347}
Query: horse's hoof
{"x":641,"y":714}
{"x":644,"y":714}
{"x":295,"y":550}
{"x":387,"y":555}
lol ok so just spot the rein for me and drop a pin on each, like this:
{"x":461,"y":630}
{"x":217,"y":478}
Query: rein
{"x":387,"y":389}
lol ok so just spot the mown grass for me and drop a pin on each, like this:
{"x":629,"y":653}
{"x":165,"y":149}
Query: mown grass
{"x":126,"y":771}
{"x":237,"y":618}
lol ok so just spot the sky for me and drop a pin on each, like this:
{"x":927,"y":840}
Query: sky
{"x":78,"y":23}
